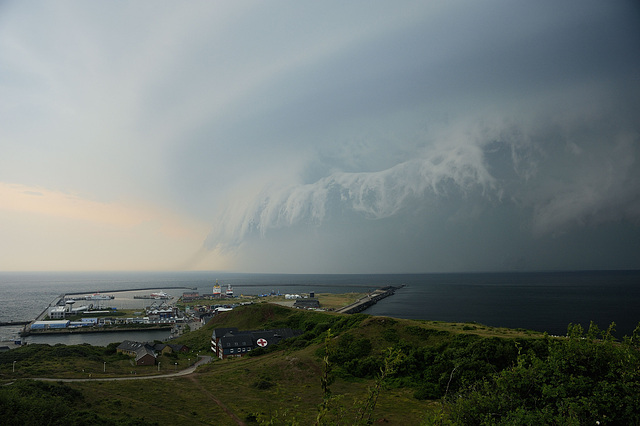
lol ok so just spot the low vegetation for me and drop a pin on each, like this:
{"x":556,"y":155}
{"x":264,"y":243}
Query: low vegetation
{"x":328,"y":301}
{"x":81,"y":362}
{"x":345,"y":369}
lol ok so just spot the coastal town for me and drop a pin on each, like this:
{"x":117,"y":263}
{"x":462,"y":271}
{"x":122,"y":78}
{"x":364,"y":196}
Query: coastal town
{"x":166,"y":309}
{"x":174,"y":311}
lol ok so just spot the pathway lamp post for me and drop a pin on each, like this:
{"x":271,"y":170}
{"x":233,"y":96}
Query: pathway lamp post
{"x":176,"y":366}
{"x":104,"y":367}
{"x":14,"y":366}
{"x":158,"y":365}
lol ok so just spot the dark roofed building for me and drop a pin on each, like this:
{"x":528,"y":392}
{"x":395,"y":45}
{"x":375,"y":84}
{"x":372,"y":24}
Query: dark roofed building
{"x":145,"y":356}
{"x":230,"y":342}
{"x":187,"y":297}
{"x":309,"y":303}
{"x":144,"y":353}
{"x":129,"y":347}
{"x":162,"y":348}
{"x":235,"y":345}
{"x":178,"y":347}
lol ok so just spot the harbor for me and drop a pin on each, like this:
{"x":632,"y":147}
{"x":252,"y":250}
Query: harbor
{"x":106,"y":312}
{"x":99,"y":317}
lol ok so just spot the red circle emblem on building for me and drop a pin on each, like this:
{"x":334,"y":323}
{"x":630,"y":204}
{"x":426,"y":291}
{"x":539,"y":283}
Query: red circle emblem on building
{"x":262,"y":343}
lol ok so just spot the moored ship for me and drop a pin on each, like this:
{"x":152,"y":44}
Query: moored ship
{"x":94,"y":296}
{"x":98,"y":296}
{"x":161,"y":295}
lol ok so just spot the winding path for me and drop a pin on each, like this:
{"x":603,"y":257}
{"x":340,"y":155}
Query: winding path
{"x":204,"y":359}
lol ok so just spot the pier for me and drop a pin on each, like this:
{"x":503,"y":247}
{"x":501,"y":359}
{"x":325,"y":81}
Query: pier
{"x":10,"y":323}
{"x":369,"y":300}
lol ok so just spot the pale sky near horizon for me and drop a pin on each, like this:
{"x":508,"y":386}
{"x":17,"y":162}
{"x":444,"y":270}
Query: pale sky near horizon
{"x":329,"y":137}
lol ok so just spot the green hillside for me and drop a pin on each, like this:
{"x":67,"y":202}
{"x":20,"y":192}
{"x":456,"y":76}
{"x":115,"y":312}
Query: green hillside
{"x":343,"y":369}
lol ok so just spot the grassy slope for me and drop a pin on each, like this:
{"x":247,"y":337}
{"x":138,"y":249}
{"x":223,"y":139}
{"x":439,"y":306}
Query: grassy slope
{"x":291,"y":375}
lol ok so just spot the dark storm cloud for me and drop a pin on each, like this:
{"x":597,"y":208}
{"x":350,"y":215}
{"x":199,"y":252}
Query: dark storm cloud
{"x":481,"y":140}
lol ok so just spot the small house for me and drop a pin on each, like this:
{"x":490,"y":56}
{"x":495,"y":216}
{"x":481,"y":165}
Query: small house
{"x":145,"y":356}
{"x":143,"y":353}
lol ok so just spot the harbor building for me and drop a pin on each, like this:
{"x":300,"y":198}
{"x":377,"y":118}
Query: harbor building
{"x":48,"y":325}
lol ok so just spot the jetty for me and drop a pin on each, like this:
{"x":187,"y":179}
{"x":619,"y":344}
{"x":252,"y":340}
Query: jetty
{"x":369,"y":300}
{"x":12,"y":323}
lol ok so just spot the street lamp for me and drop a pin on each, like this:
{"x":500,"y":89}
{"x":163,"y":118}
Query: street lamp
{"x":176,"y":366}
{"x":158,"y":365}
{"x":14,"y":366}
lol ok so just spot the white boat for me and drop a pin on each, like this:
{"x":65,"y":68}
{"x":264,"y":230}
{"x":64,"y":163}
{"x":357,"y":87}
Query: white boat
{"x":161,"y":295}
{"x":98,"y":296}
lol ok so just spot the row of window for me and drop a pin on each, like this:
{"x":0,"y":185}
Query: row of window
{"x":236,"y":344}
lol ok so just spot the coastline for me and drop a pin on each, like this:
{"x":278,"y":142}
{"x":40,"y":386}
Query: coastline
{"x":543,"y":301}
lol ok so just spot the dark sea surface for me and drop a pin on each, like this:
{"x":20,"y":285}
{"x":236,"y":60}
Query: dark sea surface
{"x":541,"y":301}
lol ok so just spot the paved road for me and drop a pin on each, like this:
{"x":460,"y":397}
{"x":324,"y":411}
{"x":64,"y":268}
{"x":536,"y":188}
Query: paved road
{"x":203,"y":360}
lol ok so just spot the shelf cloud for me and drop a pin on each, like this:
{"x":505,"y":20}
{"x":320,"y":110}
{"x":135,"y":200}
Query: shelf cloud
{"x":329,"y":137}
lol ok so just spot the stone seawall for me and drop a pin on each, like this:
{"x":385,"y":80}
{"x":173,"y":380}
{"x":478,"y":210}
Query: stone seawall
{"x":369,"y":300}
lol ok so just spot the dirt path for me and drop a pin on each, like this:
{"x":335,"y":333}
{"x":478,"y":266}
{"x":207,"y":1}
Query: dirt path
{"x":217,"y":401}
{"x":203,"y":360}
{"x":187,"y":373}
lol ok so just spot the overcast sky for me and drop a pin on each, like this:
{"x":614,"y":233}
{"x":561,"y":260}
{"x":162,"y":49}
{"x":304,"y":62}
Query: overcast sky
{"x":295,"y":136}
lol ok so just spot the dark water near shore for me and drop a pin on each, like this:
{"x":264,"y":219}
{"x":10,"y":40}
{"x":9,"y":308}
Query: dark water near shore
{"x":542,"y":301}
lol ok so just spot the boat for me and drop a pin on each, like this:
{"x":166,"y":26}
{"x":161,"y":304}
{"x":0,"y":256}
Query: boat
{"x":94,"y":296}
{"x":98,"y":296}
{"x":229,"y":291}
{"x":161,"y":295}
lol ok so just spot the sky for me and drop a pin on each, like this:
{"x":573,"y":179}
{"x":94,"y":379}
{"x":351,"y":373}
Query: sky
{"x":319,"y":137}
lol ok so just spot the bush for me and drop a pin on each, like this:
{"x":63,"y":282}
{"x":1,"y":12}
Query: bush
{"x":428,"y":391}
{"x":263,"y":384}
{"x":584,"y":379}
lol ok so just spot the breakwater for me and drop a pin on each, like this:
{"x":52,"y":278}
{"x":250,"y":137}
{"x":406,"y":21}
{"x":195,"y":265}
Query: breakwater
{"x":181,"y":287}
{"x":12,"y":323}
{"x":369,"y":300}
